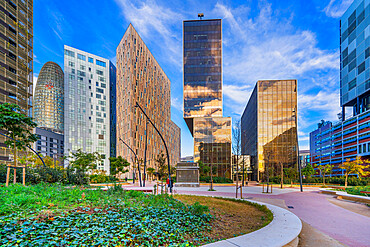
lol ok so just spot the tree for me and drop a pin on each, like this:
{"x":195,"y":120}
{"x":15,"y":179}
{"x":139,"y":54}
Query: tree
{"x":237,"y":149}
{"x":355,"y":166}
{"x":33,"y":161}
{"x":308,"y":170}
{"x":203,"y":169}
{"x":162,"y":169}
{"x":325,"y":169}
{"x":84,"y":161}
{"x":16,"y":125}
{"x":118,"y":165}
{"x":150,"y":171}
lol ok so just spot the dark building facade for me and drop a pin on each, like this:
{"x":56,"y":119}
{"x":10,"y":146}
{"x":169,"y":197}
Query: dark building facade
{"x":49,"y":143}
{"x":112,"y":109}
{"x":16,"y":58}
{"x":269,"y":126}
{"x":48,"y":110}
{"x":202,"y":63}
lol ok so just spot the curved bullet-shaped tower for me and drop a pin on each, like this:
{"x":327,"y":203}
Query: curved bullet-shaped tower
{"x":49,"y":98}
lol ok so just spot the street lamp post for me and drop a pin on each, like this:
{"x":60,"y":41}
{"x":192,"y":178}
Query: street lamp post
{"x":137,"y":160}
{"x":164,"y":142}
{"x":299,"y":165}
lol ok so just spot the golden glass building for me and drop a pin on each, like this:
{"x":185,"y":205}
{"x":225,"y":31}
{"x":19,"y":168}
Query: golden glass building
{"x":48,"y":110}
{"x":16,"y":58}
{"x":203,"y":94}
{"x":269,"y":126}
{"x":141,"y":79}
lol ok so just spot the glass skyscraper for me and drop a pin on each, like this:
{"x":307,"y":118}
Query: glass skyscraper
{"x":87,"y":103}
{"x":354,"y":58}
{"x":49,"y":98}
{"x":269,"y":126}
{"x":202,"y":61}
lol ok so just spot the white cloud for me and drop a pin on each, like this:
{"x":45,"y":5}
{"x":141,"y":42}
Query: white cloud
{"x":35,"y":76}
{"x":336,"y":8}
{"x":176,"y":103}
{"x":239,"y":94}
{"x":156,"y":23}
{"x":268,"y":47}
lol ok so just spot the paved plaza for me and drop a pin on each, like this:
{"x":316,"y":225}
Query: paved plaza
{"x":317,"y":210}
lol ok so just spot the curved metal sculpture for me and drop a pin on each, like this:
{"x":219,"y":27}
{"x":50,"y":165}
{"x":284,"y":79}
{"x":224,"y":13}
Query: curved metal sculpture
{"x":137,"y":159}
{"x":165,"y":145}
{"x":27,"y":147}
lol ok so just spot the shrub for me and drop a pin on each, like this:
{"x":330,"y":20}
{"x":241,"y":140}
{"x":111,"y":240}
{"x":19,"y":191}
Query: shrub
{"x":207,"y":179}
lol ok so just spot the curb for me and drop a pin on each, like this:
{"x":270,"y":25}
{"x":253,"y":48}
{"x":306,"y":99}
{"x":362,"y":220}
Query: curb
{"x":345,"y":196}
{"x":283,"y":230}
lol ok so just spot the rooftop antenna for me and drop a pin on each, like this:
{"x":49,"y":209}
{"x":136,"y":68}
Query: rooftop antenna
{"x":200,"y":15}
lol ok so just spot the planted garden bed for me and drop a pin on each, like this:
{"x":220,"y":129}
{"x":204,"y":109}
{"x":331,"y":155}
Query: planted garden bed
{"x":45,"y":215}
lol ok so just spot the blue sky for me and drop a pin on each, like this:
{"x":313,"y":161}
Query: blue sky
{"x":261,"y":40}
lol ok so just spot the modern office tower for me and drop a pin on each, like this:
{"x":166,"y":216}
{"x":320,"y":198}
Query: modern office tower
{"x":334,"y":143}
{"x":269,"y":126}
{"x":304,"y":158}
{"x":354,"y":59}
{"x":141,"y":80}
{"x":87,"y":102}
{"x":203,"y":94}
{"x":16,"y":58}
{"x":48,"y":110}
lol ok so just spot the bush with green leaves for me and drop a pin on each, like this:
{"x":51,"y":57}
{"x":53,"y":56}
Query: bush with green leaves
{"x":207,"y":179}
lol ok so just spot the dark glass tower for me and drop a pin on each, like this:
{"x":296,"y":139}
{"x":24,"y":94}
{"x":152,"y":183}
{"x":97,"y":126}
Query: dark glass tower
{"x":203,"y":94}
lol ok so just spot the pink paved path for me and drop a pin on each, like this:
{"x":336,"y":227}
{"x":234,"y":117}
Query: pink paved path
{"x":314,"y":208}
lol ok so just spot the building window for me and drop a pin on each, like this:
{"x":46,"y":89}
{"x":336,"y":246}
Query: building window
{"x":352,"y":84}
{"x":81,"y":73}
{"x":103,"y":85}
{"x":361,"y":68}
{"x":81,"y":57}
{"x":100,"y":63}
{"x":82,"y":67}
{"x":99,"y":72}
{"x":99,"y":90}
{"x":91,"y":60}
{"x":71,"y":64}
{"x":69,"y":53}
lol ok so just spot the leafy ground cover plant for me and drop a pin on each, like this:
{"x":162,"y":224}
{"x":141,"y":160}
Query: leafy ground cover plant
{"x":53,"y":215}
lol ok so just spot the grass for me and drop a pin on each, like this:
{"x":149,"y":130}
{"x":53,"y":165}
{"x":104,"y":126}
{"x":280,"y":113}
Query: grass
{"x":356,"y":190}
{"x":232,"y":217}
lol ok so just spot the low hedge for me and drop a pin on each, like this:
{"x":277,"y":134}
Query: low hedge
{"x":221,"y":180}
{"x":46,"y":175}
{"x":99,"y":178}
{"x":352,"y":181}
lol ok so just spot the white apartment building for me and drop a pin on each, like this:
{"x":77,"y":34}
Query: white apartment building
{"x":87,"y":103}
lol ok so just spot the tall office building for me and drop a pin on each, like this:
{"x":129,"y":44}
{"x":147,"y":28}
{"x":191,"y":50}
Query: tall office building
{"x":269,"y":126}
{"x":16,"y":58}
{"x":354,"y":59}
{"x":203,"y":94}
{"x":334,"y":143}
{"x":140,"y":79}
{"x":48,"y":110}
{"x":87,"y":102}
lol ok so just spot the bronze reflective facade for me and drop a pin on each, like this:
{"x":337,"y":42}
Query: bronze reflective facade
{"x":48,"y":108}
{"x":203,"y":94}
{"x":269,"y":126}
{"x":16,"y":58}
{"x":141,"y":79}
